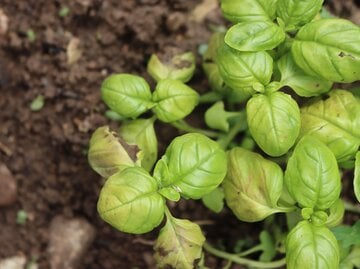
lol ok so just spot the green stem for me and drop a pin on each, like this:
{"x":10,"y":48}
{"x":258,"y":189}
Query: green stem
{"x":184,"y":126}
{"x":250,"y":251}
{"x":239,"y":126}
{"x":351,"y":207}
{"x":236,"y":259}
{"x":210,"y":97}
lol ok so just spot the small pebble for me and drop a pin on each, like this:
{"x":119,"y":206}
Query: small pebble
{"x":69,"y":241}
{"x":8,"y":186}
{"x":15,"y":262}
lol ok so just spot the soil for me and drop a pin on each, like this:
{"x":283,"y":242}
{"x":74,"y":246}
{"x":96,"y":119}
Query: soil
{"x":46,"y":150}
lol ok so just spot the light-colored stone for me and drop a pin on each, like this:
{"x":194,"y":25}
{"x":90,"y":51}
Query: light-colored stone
{"x":4,"y":22}
{"x":69,"y":241}
{"x":8,"y":186}
{"x":15,"y":262}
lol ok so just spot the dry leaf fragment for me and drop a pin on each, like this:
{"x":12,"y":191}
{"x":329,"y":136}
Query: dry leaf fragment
{"x":73,"y":50}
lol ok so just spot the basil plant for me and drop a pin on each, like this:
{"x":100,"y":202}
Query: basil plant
{"x":282,"y":132}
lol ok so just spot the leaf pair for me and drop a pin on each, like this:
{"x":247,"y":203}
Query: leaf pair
{"x":130,"y":96}
{"x":133,"y":201}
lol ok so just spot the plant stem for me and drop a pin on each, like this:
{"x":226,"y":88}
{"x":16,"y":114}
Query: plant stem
{"x":184,"y":126}
{"x":236,"y":259}
{"x":351,"y":207}
{"x":210,"y":97}
{"x":250,"y":251}
{"x":239,"y":126}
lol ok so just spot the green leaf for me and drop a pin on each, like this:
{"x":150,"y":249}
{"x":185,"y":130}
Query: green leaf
{"x":106,"y":154}
{"x":241,"y":70}
{"x":352,"y":260}
{"x":174,"y":100}
{"x":254,"y":36}
{"x":193,"y":164}
{"x":336,"y":122}
{"x":38,"y":103}
{"x":179,"y":67}
{"x":312,"y":175}
{"x":329,"y":49}
{"x":130,"y":202}
{"x":336,"y":214}
{"x":141,"y":133}
{"x":214,"y":200}
{"x":128,"y":95}
{"x":249,"y":10}
{"x":268,"y":247}
{"x":217,"y":118}
{"x":253,"y":185}
{"x":348,"y":235}
{"x":311,"y":246}
{"x":357,"y":176}
{"x":296,"y":13}
{"x":303,"y":84}
{"x":274,"y":122}
{"x":179,"y":244}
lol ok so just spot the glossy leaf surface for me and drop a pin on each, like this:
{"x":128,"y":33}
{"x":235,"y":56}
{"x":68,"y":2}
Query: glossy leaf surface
{"x":141,"y":133}
{"x":336,"y":122}
{"x":311,"y":247}
{"x":302,"y":83}
{"x":274,"y":122}
{"x":193,"y":164}
{"x":329,"y":48}
{"x":248,"y":10}
{"x":128,"y":95}
{"x":106,"y":154}
{"x":129,"y":201}
{"x":174,"y":100}
{"x":312,"y":175}
{"x":241,"y":70}
{"x":296,"y":13}
{"x":179,"y":244}
{"x":254,"y":36}
{"x":253,"y":185}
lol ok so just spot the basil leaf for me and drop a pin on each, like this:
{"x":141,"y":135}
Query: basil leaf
{"x":141,"y":133}
{"x":274,"y":122}
{"x":302,"y":83}
{"x":179,"y":244}
{"x":241,"y":70}
{"x":357,"y":176}
{"x":106,"y":154}
{"x":193,"y":164}
{"x":329,"y":48}
{"x":311,"y":246}
{"x":174,"y":100}
{"x":336,"y":122}
{"x":128,"y":95}
{"x":312,"y":175}
{"x":129,"y":201}
{"x":336,"y":214}
{"x":180,"y":67}
{"x":254,"y":36}
{"x":352,"y":260}
{"x":348,"y":235}
{"x":296,"y":13}
{"x":253,"y":185}
{"x":214,"y":200}
{"x":248,"y":10}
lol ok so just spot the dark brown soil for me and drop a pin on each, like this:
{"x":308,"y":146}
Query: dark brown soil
{"x":46,"y":150}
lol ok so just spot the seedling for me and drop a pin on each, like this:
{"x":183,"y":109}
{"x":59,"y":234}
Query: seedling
{"x":270,"y":157}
